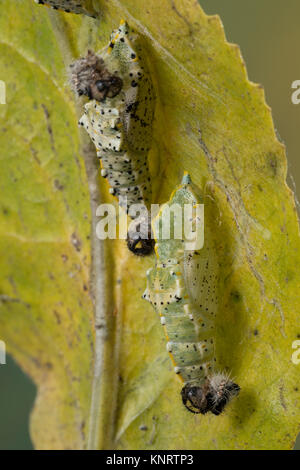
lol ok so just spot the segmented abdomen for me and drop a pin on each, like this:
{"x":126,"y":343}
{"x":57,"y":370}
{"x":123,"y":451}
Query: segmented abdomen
{"x":126,"y":170}
{"x":70,"y":6}
{"x":188,"y":326}
{"x":121,"y":127}
{"x":183,"y":290}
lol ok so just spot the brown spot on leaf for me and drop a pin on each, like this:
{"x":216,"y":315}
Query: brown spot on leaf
{"x":57,"y":316}
{"x":76,"y":242}
{"x":58,"y":185}
{"x":272,"y":163}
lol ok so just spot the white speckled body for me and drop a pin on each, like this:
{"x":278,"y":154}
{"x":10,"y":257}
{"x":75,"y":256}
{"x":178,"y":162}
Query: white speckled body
{"x":121,"y":127}
{"x":183,"y":290}
{"x":83,"y":7}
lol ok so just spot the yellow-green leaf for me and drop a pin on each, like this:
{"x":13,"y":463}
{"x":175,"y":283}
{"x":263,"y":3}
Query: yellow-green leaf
{"x":210,"y":121}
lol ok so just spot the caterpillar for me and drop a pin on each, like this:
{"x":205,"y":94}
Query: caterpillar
{"x":118,"y":118}
{"x":70,"y":6}
{"x":183,"y":288}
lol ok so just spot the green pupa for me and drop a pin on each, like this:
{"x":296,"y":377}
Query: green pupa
{"x":183,"y":288}
{"x":118,"y":118}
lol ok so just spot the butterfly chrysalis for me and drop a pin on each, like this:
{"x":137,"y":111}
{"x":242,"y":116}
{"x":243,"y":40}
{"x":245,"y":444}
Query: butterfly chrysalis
{"x":183,"y":288}
{"x":118,"y":118}
{"x":71,"y":6}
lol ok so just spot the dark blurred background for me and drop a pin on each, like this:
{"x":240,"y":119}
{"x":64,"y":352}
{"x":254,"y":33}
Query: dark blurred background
{"x":17,"y":394}
{"x":268,"y":33}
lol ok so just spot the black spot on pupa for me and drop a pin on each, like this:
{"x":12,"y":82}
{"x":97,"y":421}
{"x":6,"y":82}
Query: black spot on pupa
{"x":236,"y":296}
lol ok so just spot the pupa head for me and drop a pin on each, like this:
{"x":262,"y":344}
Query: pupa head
{"x":90,"y":77}
{"x":212,"y":396}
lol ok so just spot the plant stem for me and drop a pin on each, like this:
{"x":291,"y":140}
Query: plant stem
{"x":104,"y":382}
